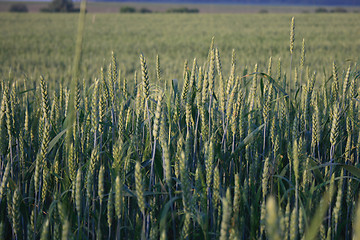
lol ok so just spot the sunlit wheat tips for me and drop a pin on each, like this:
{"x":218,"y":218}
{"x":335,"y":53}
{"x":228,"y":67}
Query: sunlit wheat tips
{"x":292,"y":35}
{"x":145,"y":76}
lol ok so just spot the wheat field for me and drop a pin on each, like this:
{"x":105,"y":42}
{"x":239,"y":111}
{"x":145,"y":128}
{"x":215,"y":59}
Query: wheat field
{"x":270,"y":151}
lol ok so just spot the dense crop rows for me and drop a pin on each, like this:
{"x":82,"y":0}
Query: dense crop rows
{"x":43,"y":44}
{"x":240,"y":155}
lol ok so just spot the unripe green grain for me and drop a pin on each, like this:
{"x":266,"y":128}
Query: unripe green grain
{"x":231,"y":100}
{"x":188,"y":116}
{"x":272,"y":219}
{"x":145,"y":76}
{"x":118,"y":196}
{"x":186,"y":227}
{"x":301,"y":222}
{"x":157,"y":116}
{"x":102,"y":111}
{"x":237,"y":199}
{"x":101,"y":186}
{"x":37,"y":173}
{"x":335,"y":85}
{"x":139,"y":188}
{"x":44,"y":98}
{"x":185,"y":184}
{"x":45,"y":184}
{"x":77,"y":98}
{"x":334,"y":125}
{"x":158,"y":70}
{"x":16,"y":201}
{"x":226,"y":216}
{"x":78,"y":191}
{"x":293,"y":224}
{"x":292,"y":35}
{"x":231,"y":80}
{"x":179,"y":150}
{"x":32,"y":227}
{"x":4,"y":180}
{"x":166,"y":151}
{"x":315,"y":137}
{"x":56,"y":169}
{"x":45,"y":230}
{"x":71,"y":163}
{"x":216,"y":187}
{"x":269,"y":67}
{"x":205,"y":88}
{"x":110,"y":208}
{"x":94,"y":107}
{"x":90,"y":172}
{"x":356,"y":227}
{"x":296,"y":162}
{"x":209,"y":163}
{"x":212,"y":72}
{"x":65,"y":230}
{"x":221,"y":81}
{"x":346,"y":84}
{"x":287,"y":219}
{"x":128,"y":119}
{"x":265,"y":178}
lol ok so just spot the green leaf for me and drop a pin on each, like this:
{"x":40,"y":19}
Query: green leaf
{"x":315,"y":170}
{"x":249,"y":138}
{"x":352,"y":169}
{"x":55,"y":140}
{"x":164,"y":214}
{"x":175,"y":87}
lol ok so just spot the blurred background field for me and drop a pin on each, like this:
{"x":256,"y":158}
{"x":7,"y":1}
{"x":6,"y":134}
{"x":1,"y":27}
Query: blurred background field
{"x":35,"y":44}
{"x":113,"y":7}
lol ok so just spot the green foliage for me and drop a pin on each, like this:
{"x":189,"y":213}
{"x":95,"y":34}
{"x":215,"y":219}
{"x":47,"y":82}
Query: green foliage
{"x":321,"y":10}
{"x":18,"y":7}
{"x":61,"y":6}
{"x":265,"y":158}
{"x":127,"y":9}
{"x":182,"y":10}
{"x":144,"y":10}
{"x":338,"y":10}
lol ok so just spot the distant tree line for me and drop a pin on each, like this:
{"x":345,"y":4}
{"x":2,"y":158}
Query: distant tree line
{"x":265,"y":2}
{"x":334,"y":10}
{"x":129,"y":9}
{"x":61,"y":6}
{"x":18,"y":7}
{"x":183,"y":10}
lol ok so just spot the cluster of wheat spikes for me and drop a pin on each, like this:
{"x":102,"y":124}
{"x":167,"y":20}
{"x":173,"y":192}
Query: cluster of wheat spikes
{"x":229,"y":156}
